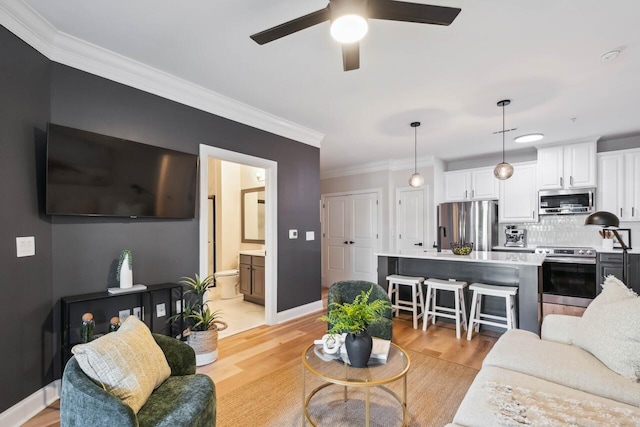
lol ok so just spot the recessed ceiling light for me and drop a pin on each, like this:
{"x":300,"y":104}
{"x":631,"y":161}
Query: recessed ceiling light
{"x":532,"y":137}
{"x":610,"y":56}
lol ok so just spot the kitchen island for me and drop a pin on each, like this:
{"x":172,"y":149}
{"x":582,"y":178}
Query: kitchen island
{"x":523,"y":270}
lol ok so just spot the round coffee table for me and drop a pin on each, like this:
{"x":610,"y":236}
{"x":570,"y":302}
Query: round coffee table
{"x":335,"y":371}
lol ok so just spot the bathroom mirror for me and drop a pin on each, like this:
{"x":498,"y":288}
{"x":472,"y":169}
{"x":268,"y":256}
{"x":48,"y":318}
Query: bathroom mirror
{"x":253,"y":215}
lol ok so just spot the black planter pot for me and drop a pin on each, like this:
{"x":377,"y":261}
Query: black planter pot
{"x":358,"y":348}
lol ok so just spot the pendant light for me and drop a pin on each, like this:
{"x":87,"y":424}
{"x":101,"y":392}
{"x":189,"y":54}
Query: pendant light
{"x":415,"y":180}
{"x":503,"y":170}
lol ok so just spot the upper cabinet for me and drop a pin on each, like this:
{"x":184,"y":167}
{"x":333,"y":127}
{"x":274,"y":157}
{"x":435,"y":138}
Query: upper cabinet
{"x":518,"y":195}
{"x":619,"y":184}
{"x":567,"y":166}
{"x":470,"y":184}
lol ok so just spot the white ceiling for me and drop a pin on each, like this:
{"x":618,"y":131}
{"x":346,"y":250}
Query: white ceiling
{"x":543,"y":55}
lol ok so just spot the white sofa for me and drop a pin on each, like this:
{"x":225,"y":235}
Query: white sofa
{"x":552,"y":381}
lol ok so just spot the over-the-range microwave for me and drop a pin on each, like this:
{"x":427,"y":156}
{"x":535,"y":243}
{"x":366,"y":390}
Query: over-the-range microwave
{"x":562,"y":202}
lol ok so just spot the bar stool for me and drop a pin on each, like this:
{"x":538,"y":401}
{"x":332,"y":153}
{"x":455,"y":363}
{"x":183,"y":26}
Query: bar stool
{"x":458,"y":313}
{"x":477,"y":316}
{"x":417,"y":299}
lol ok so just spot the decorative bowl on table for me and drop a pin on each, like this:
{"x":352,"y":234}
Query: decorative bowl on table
{"x":461,"y":248}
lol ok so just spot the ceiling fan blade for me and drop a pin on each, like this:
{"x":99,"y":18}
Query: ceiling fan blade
{"x":411,"y":12}
{"x":351,"y":56}
{"x":292,"y":26}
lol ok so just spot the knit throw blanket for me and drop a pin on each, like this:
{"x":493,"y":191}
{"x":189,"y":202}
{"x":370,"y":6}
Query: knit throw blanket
{"x":518,"y":406}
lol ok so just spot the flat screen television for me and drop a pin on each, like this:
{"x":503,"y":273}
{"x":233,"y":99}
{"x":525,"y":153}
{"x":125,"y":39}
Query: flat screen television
{"x":98,"y":175}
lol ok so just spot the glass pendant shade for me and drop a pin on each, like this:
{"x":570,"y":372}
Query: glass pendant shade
{"x":416,"y":180}
{"x":349,"y":28}
{"x":503,"y":171}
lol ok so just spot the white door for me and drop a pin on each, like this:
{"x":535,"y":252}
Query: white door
{"x":350,"y":235}
{"x":410,"y":221}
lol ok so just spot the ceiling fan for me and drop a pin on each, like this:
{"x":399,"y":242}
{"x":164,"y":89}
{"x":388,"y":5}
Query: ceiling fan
{"x":349,"y":22}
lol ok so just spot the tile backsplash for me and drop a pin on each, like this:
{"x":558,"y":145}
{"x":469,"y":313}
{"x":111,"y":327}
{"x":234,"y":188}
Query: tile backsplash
{"x":566,"y":230}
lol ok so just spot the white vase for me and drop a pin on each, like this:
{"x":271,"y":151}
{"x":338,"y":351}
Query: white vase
{"x":607,"y":244}
{"x":126,"y":274}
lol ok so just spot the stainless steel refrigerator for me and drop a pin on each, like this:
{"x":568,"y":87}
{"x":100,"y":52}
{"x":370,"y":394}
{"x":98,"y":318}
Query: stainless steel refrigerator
{"x":470,"y":222}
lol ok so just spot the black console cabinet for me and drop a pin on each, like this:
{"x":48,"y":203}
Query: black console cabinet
{"x":104,"y":306}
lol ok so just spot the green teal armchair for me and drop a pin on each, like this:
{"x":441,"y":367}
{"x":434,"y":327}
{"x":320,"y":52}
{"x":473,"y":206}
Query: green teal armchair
{"x":184,"y":399}
{"x":346,"y":291}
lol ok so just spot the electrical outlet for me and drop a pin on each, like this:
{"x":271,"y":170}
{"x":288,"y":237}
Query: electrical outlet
{"x":25,"y":246}
{"x":293,"y":234}
{"x":179,"y":305}
{"x":123,"y":314}
{"x":161,"y":310}
{"x":137,"y":312}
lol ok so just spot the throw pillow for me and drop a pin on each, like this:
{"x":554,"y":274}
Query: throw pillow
{"x":610,"y":329}
{"x":127,"y":363}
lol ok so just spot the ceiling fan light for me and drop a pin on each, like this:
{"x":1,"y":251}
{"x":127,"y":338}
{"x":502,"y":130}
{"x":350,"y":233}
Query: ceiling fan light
{"x":532,"y":137}
{"x":349,"y":28}
{"x":503,"y":171}
{"x":416,"y":180}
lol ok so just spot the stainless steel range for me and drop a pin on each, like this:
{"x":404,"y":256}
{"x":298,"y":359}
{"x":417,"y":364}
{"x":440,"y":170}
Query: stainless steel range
{"x":569,"y":275}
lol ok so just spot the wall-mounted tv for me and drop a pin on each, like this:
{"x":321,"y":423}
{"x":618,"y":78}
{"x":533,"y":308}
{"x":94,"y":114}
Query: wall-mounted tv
{"x":98,"y":175}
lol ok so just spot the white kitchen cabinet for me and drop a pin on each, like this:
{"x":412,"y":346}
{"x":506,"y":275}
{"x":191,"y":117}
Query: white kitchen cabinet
{"x":619,"y":183}
{"x":518,"y":195}
{"x":610,"y":195}
{"x":567,"y":166}
{"x":470,"y":184}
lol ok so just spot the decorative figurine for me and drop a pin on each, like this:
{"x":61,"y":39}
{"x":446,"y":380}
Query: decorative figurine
{"x":114,"y":324}
{"x":125,"y":269}
{"x":86,"y":332}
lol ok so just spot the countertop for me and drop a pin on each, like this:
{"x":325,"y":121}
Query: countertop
{"x":515,"y":248}
{"x":256,"y":252}
{"x":509,"y":258}
{"x":616,"y":251}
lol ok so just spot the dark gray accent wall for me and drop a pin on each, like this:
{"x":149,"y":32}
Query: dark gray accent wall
{"x":622,"y":143}
{"x":26,"y":340}
{"x":76,"y":254}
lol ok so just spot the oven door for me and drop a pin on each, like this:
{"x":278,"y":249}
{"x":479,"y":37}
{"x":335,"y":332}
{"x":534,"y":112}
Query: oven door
{"x":569,"y":281}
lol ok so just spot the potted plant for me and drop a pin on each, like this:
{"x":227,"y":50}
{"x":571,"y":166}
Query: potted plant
{"x":204,"y":324}
{"x":353,"y":319}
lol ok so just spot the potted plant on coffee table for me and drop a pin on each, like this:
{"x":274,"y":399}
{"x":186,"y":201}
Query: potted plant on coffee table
{"x":204,"y":324}
{"x":353,"y":319}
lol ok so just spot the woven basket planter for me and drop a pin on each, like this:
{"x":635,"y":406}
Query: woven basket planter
{"x":205,"y":343}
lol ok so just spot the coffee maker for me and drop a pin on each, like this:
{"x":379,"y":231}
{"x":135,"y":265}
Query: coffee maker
{"x":515,"y":237}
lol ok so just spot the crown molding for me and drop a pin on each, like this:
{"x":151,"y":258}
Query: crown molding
{"x":384,"y":166}
{"x":71,"y":51}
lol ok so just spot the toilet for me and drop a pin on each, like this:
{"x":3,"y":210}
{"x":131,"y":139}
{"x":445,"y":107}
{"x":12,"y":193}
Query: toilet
{"x":227,"y":280}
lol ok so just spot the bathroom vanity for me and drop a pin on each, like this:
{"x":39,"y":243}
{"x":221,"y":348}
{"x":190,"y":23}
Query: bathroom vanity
{"x":252,"y":282}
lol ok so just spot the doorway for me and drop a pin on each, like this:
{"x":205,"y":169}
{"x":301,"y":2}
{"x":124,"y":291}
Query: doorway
{"x":271,"y":252}
{"x":411,"y":217}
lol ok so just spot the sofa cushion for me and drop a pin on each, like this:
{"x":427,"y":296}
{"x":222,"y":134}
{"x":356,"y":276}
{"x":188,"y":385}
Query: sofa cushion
{"x":127,"y":363}
{"x":500,"y":397}
{"x":610,"y":329}
{"x":564,"y":364}
{"x":188,"y":400}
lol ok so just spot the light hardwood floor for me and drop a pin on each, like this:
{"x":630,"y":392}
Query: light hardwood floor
{"x":247,"y":356}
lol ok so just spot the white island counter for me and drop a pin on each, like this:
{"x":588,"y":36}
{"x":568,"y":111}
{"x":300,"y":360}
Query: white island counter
{"x":478,"y":256}
{"x":523,"y":270}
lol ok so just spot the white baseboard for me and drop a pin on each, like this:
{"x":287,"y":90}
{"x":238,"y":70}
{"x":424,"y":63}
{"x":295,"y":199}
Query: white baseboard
{"x":27,"y":408}
{"x":296,"y":312}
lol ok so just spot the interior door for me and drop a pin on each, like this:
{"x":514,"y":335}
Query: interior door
{"x":350,"y":236}
{"x":410,"y":221}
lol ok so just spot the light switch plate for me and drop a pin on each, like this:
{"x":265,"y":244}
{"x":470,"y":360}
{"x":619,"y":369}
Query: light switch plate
{"x":293,"y":234}
{"x":137,"y":312}
{"x":25,"y":246}
{"x":123,"y":314}
{"x":311,"y":235}
{"x":161,"y":310}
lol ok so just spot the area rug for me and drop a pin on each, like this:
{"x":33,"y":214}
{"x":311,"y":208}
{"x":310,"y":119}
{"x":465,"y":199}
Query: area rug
{"x":435,"y":389}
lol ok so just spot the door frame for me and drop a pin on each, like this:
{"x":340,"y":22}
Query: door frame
{"x":271,"y":219}
{"x":323,"y":250}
